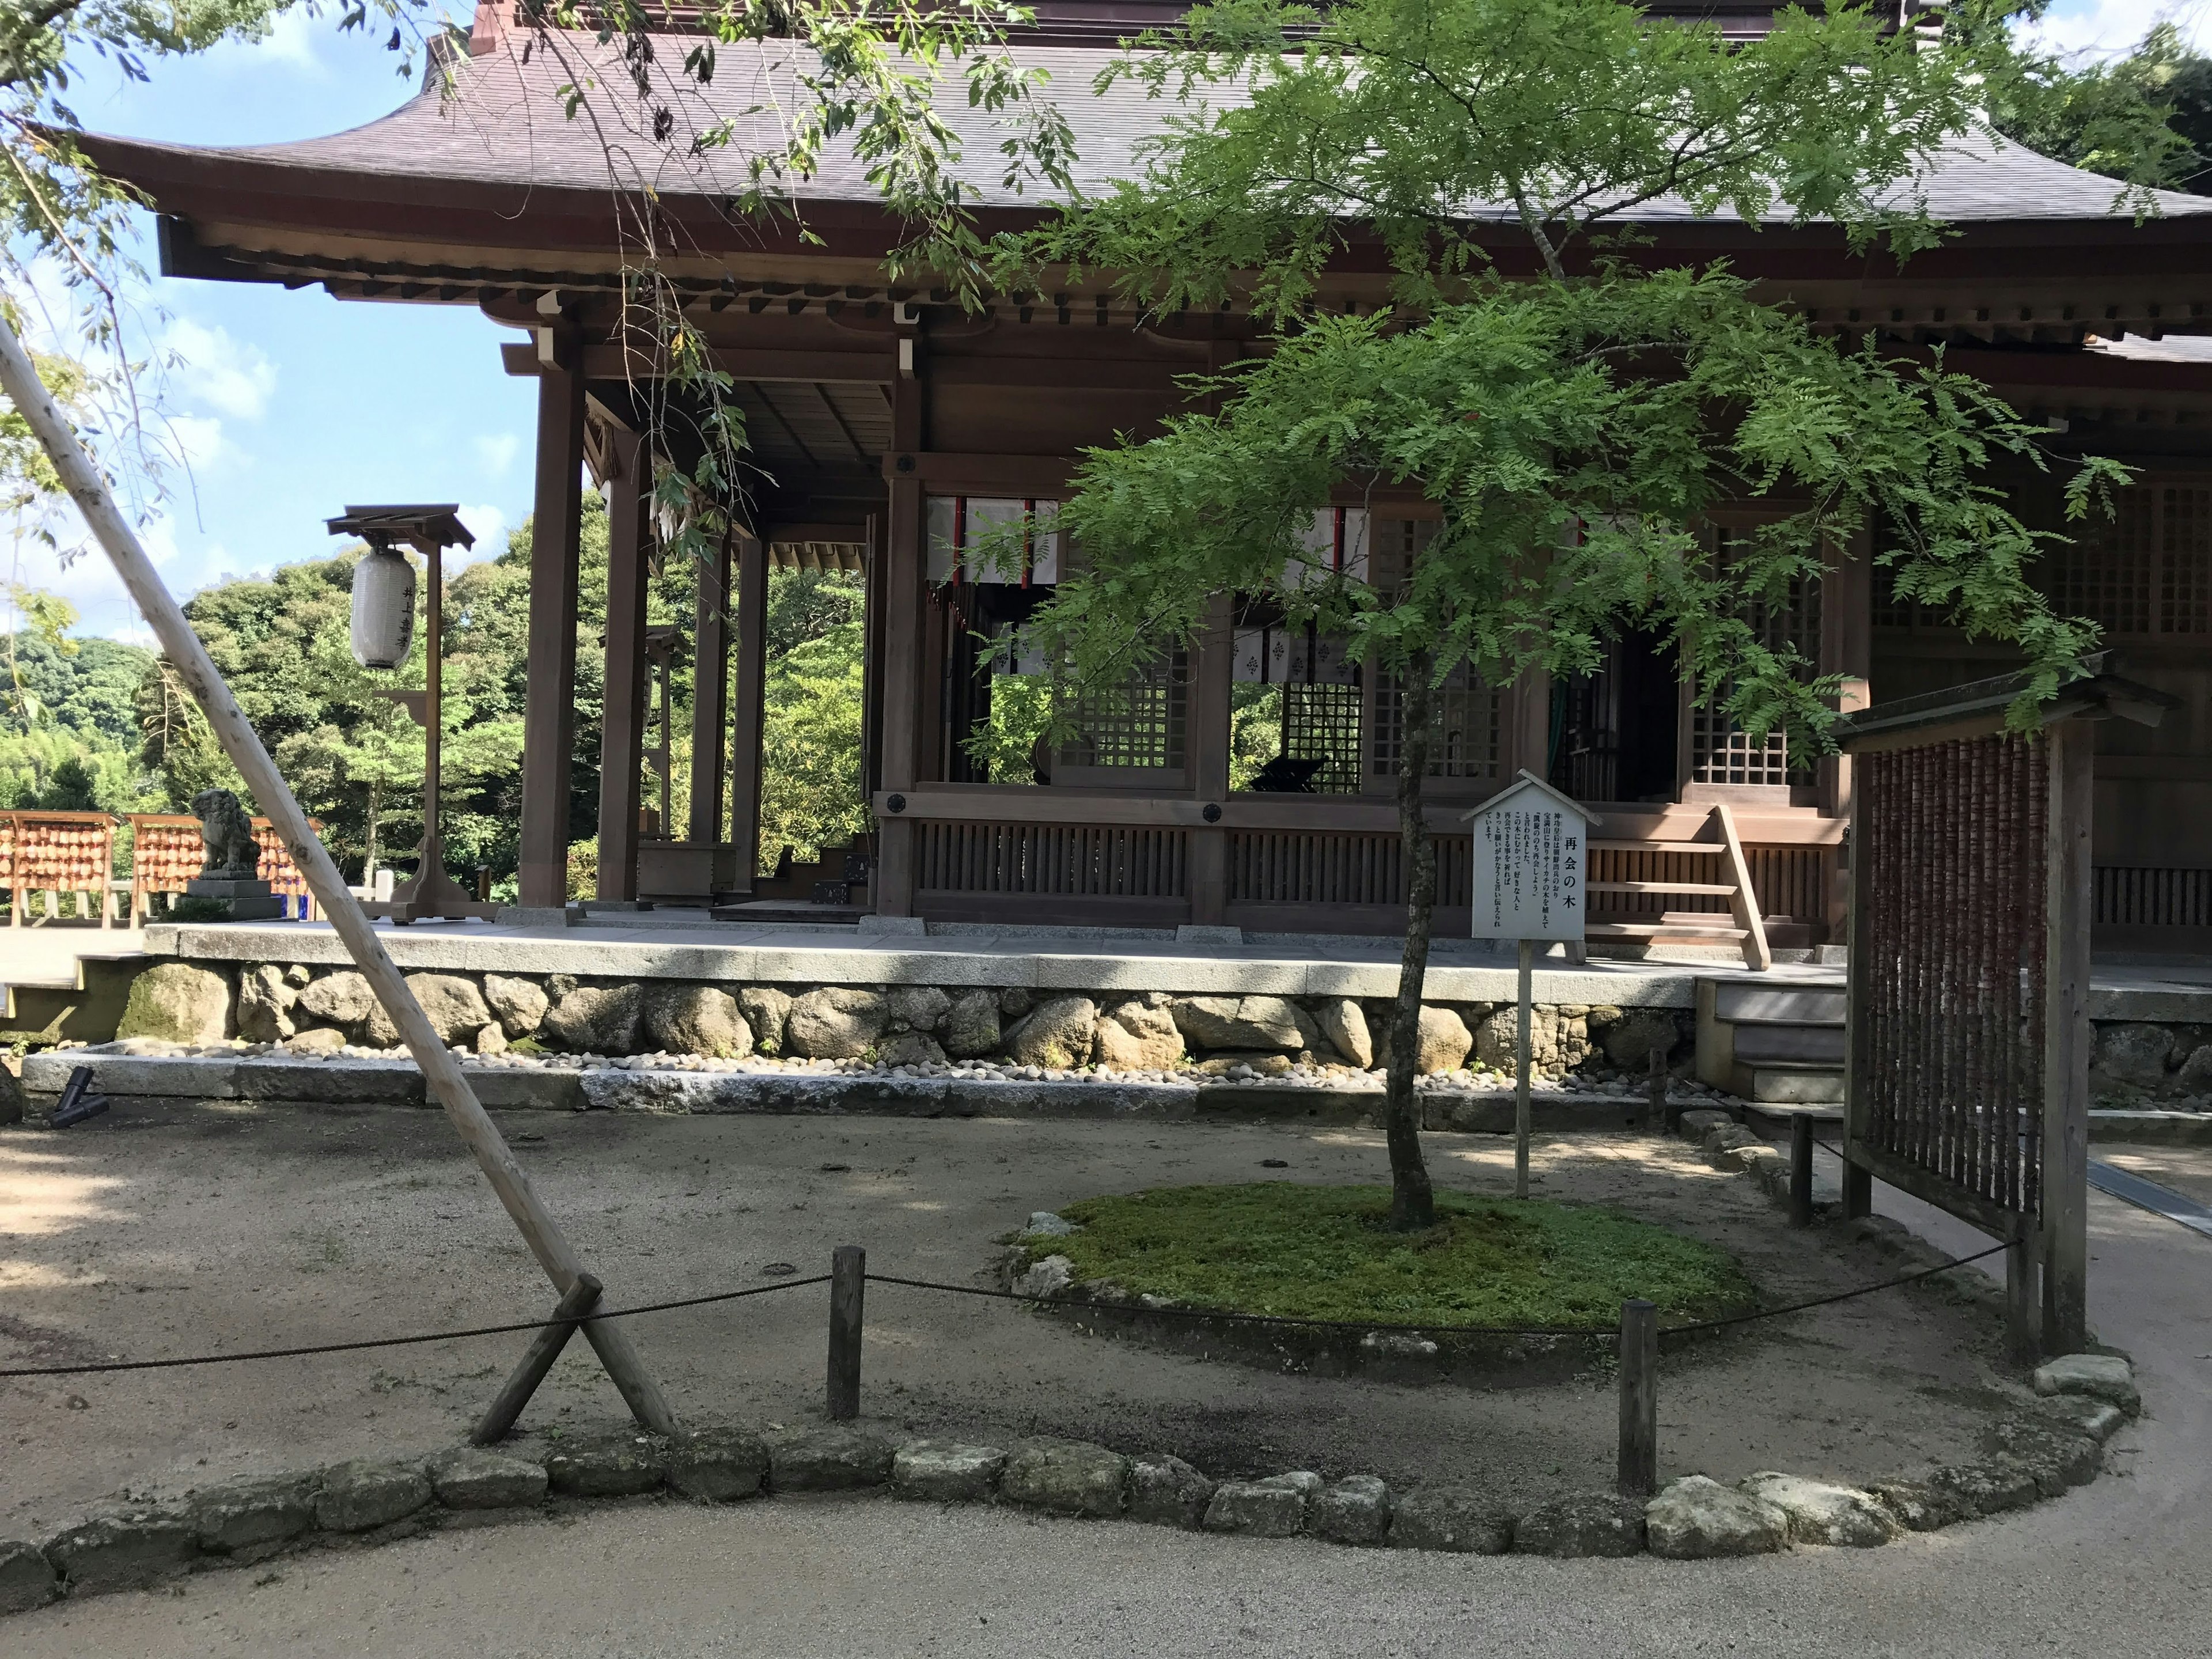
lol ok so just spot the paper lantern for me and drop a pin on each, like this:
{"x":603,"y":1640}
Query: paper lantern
{"x":383,"y":608}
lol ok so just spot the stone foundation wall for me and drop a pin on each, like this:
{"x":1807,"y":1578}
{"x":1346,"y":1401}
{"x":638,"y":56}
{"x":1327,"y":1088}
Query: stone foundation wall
{"x":314,"y":1007}
{"x":2151,"y":1059}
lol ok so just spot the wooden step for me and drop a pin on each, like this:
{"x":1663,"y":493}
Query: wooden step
{"x":1723,"y":930}
{"x":1701,"y":848}
{"x":1699,"y":889}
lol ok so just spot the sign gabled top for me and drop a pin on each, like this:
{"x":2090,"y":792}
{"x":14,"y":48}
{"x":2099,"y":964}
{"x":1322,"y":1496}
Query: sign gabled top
{"x":1526,"y":780}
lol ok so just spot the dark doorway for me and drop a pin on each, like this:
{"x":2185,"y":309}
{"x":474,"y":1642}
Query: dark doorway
{"x":1614,"y":732}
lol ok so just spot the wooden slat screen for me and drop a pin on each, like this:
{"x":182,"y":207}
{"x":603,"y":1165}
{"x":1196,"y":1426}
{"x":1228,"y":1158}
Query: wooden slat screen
{"x":1062,"y":859}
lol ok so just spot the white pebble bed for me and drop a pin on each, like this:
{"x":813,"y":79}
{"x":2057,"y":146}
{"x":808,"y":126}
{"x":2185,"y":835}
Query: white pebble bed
{"x":1301,"y":1074}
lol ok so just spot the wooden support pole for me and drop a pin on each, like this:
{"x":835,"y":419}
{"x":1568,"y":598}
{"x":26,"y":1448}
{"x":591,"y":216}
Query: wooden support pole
{"x":579,"y":1299}
{"x":441,"y":1072}
{"x":748,"y":706}
{"x":2068,"y":903}
{"x":550,"y":715}
{"x":2024,"y":1315}
{"x":1800,"y":1170}
{"x":1213,"y":664}
{"x":1637,"y":1469}
{"x":848,"y":1284}
{"x":710,"y":691}
{"x":622,"y":710}
{"x":906,"y":616}
{"x":1521,"y":1111}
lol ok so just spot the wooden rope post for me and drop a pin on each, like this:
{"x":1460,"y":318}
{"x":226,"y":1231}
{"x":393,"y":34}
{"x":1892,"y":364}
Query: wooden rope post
{"x":1800,"y":1169}
{"x":848,"y":1283}
{"x":1663,"y":1115}
{"x":1638,"y":1466}
{"x":440,"y":1070}
{"x":537,"y":1358}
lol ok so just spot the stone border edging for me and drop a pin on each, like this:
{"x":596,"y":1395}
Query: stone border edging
{"x":281,"y":1080}
{"x":2033,"y":1454}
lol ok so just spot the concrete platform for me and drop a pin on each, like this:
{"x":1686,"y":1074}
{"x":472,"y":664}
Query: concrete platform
{"x":654,"y":947}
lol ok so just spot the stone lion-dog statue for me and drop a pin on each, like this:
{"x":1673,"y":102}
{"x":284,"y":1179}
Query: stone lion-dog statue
{"x":232,"y":854}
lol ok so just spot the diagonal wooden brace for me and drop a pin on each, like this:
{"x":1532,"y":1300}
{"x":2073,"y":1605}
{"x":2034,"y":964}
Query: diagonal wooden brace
{"x":441,"y":1072}
{"x":537,"y":1359}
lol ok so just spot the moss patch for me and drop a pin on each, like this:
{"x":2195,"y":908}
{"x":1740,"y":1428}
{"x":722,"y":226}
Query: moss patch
{"x":1316,"y":1252}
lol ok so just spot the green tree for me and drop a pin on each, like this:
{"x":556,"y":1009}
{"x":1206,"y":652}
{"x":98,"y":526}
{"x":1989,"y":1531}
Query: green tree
{"x":2143,"y":118}
{"x":1570,"y":427}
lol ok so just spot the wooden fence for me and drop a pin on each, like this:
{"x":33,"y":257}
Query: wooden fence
{"x":1967,"y":1042}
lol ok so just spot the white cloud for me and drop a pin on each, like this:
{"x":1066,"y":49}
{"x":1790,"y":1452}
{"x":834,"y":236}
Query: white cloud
{"x":496,"y":452}
{"x":489,"y":526}
{"x":2107,"y":28}
{"x":215,"y":370}
{"x":198,"y":443}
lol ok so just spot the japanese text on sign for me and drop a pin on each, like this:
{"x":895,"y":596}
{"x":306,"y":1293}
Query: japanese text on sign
{"x":1528,"y":876}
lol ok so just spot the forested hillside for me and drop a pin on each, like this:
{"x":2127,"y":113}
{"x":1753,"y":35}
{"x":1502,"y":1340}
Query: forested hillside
{"x":97,"y":723}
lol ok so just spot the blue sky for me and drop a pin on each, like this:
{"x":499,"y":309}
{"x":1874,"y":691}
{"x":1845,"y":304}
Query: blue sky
{"x":294,"y":405}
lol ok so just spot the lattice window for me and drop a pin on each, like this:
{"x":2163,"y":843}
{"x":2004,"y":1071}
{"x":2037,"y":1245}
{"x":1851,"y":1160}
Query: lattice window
{"x":1464,"y":735}
{"x":1321,"y":723}
{"x":1721,"y":752}
{"x":1138,"y":723}
{"x":2146,"y":571}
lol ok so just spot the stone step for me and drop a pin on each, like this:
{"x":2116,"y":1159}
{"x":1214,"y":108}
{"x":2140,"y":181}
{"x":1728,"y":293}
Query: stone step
{"x":1790,"y":1045}
{"x":1763,"y":1005}
{"x":1783,"y":1084}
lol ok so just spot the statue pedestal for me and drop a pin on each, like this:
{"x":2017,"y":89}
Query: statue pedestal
{"x":249,"y":900}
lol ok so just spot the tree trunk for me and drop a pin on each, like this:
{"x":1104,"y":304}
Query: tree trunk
{"x":1412,"y":1201}
{"x":368,"y":854}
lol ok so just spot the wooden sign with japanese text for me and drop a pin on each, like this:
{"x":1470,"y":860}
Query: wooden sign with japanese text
{"x":1531,"y":853}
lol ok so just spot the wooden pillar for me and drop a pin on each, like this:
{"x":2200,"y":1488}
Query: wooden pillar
{"x":1213,"y":661}
{"x":2067,"y":907}
{"x":1528,"y":722}
{"x":622,"y":725}
{"x":747,"y":705}
{"x":549,"y":713}
{"x":710,"y":691}
{"x":871,"y":659}
{"x":906,"y":612}
{"x":1847,"y":649}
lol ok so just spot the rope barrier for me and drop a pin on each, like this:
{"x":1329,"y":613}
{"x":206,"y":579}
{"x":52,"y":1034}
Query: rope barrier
{"x":407,"y":1341}
{"x":1291,"y":1321}
{"x":1246,"y":1318}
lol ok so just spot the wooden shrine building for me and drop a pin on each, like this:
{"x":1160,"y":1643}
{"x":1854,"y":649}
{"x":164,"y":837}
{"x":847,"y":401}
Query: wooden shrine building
{"x":891,"y":425}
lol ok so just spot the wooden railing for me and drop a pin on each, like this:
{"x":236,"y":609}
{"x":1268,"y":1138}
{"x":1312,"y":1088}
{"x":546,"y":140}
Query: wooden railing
{"x":2152,"y":897}
{"x":1289,"y":863}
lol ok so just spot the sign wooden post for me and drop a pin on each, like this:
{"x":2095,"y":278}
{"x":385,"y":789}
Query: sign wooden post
{"x":1531,"y":850}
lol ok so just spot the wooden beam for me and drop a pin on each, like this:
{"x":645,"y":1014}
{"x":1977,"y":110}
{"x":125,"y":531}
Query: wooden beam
{"x":2067,"y":906}
{"x":604,"y":361}
{"x":549,"y":709}
{"x":710,"y":692}
{"x":622,"y":708}
{"x":1046,"y":475}
{"x":747,"y":707}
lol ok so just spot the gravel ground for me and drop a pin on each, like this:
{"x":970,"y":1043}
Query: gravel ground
{"x":2117,"y":1569}
{"x":147,"y":1234}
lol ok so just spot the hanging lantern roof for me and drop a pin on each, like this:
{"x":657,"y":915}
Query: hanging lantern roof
{"x":382,"y":526}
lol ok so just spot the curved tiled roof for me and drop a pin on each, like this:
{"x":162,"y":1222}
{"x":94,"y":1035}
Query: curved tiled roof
{"x":506,"y":127}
